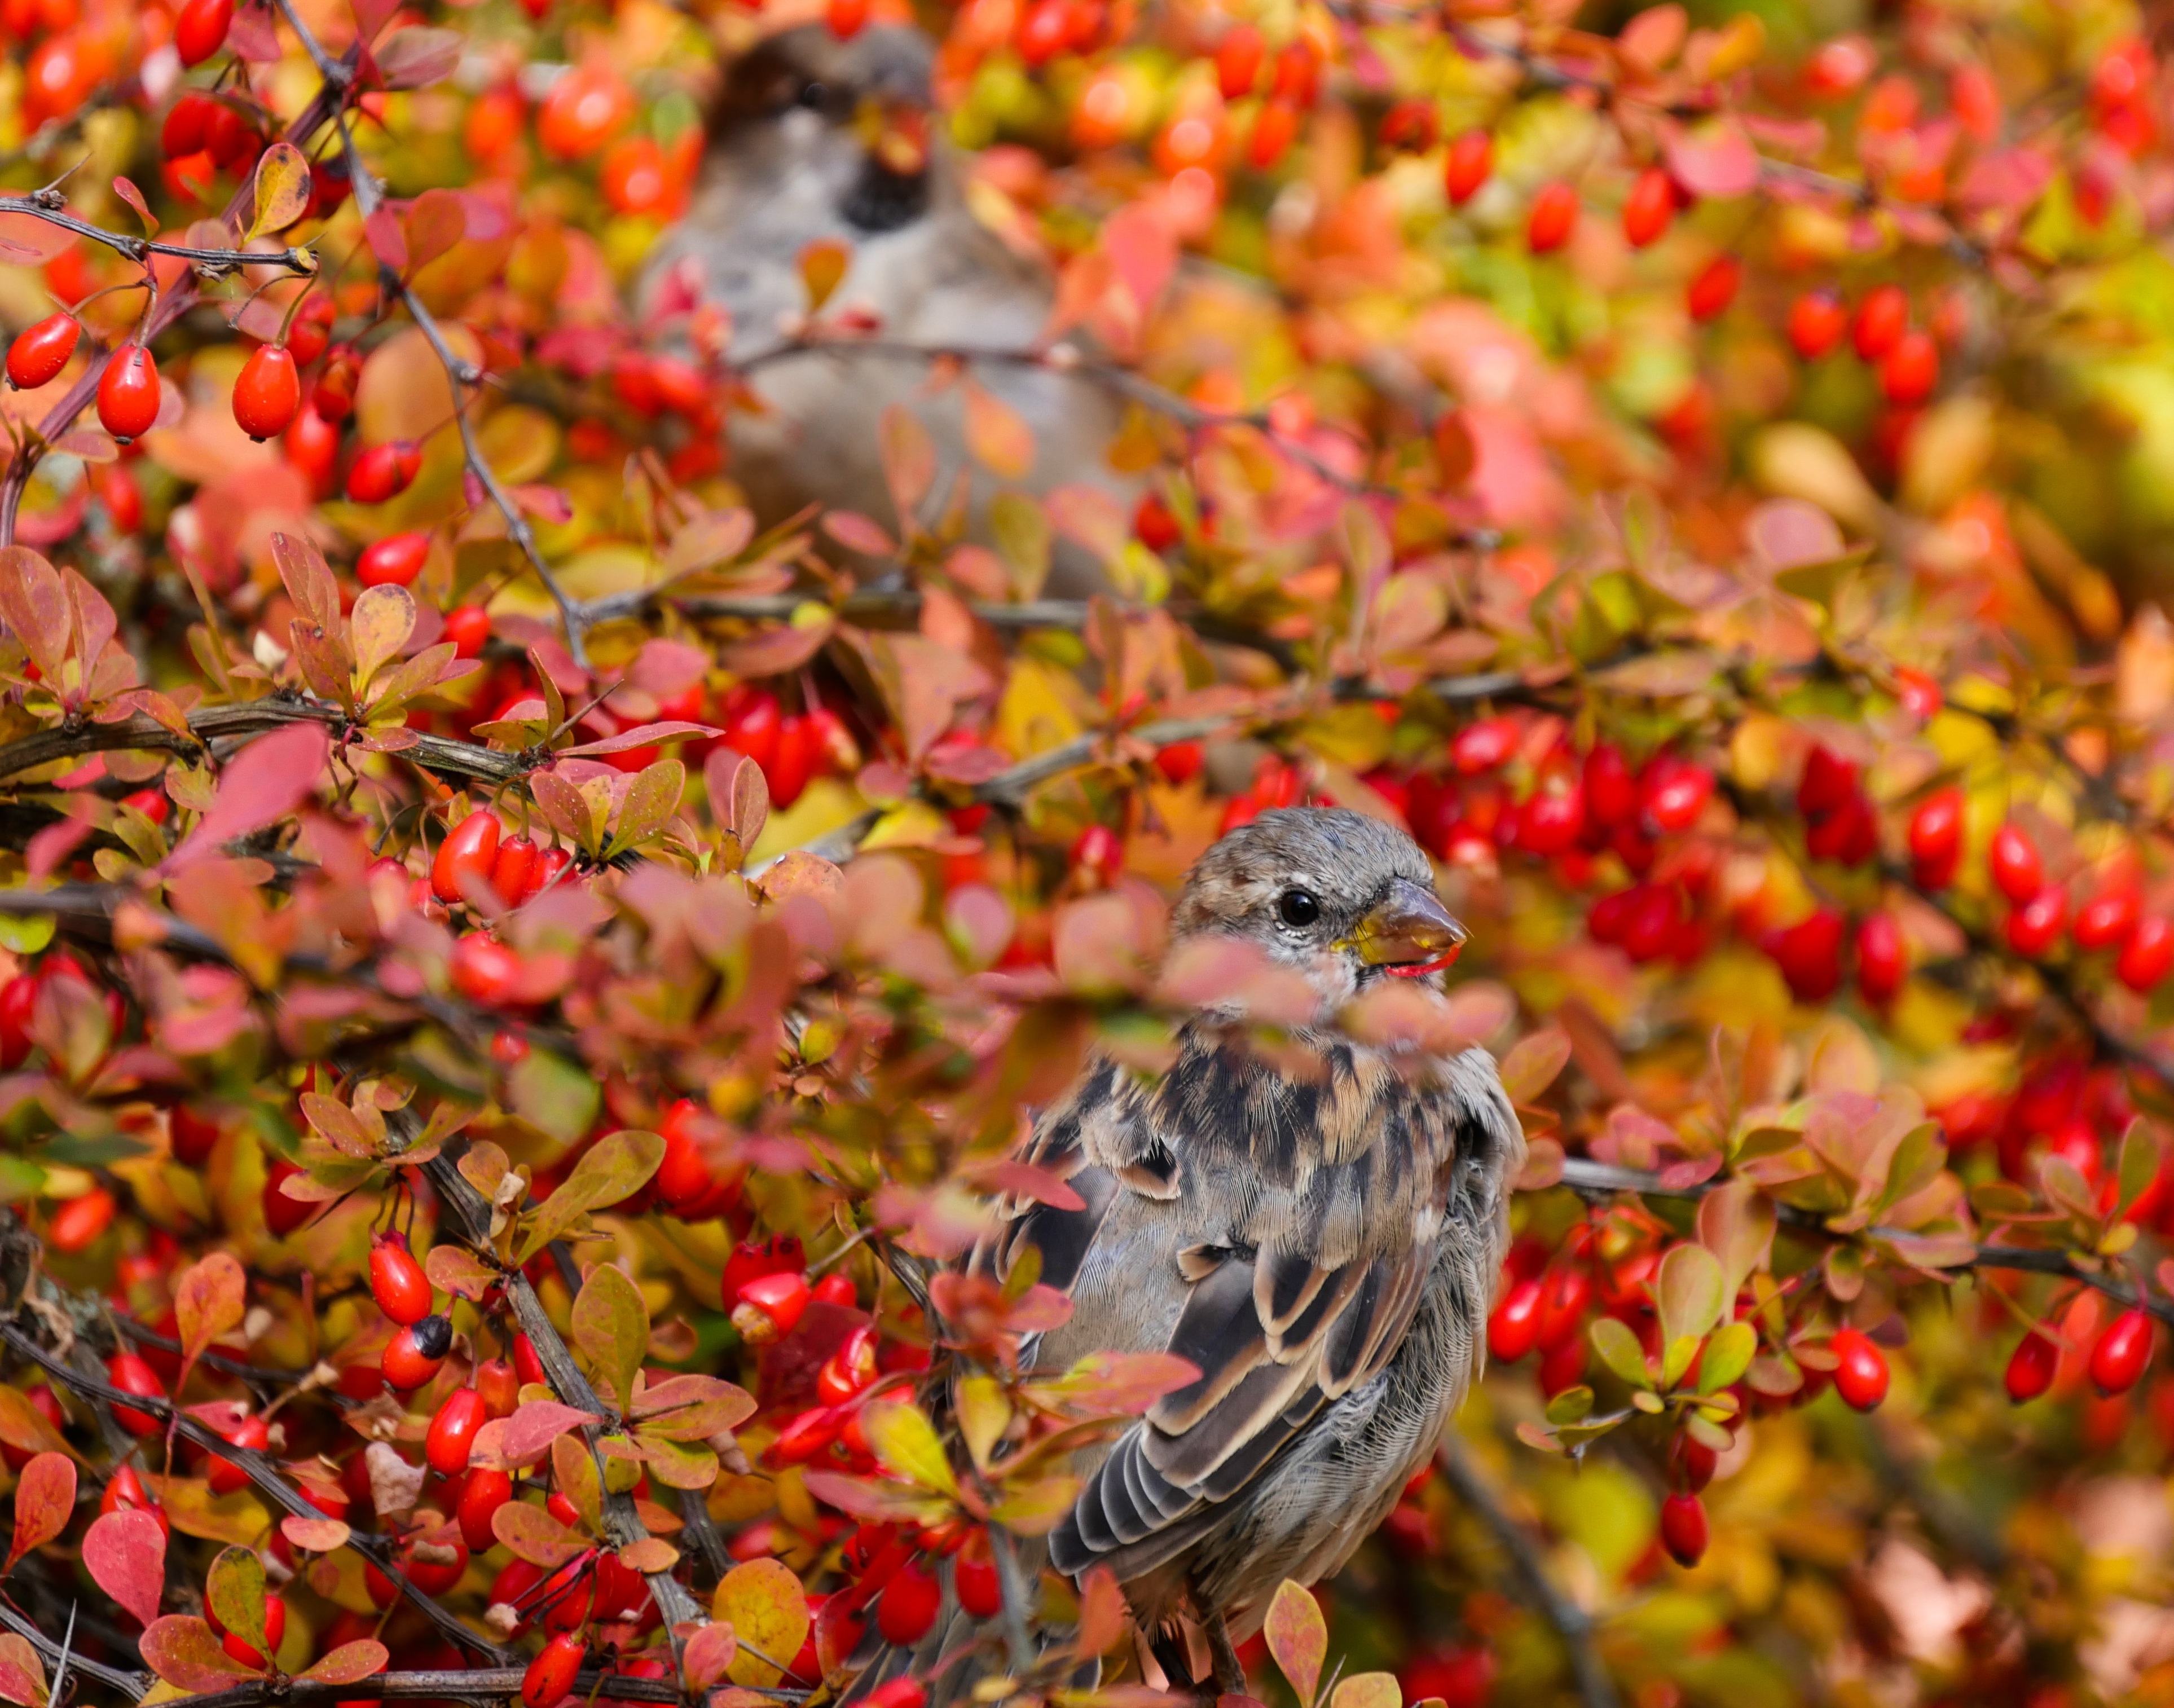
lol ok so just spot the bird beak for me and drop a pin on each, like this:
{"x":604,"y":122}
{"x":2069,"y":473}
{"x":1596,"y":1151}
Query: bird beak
{"x":1411,"y":932}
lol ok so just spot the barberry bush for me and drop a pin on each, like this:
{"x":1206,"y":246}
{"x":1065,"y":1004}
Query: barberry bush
{"x":523,"y":977}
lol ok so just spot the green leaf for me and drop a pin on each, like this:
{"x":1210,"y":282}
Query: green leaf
{"x":1620,"y":1350}
{"x":234,"y":1589}
{"x":1687,"y":1292}
{"x":556,"y":1095}
{"x":615,"y":1167}
{"x":1676,"y":1358}
{"x":1728,"y":1353}
{"x":2140,"y":1161}
{"x":905,"y":1443}
{"x":611,"y":1327}
{"x":26,"y":933}
{"x":650,"y":799}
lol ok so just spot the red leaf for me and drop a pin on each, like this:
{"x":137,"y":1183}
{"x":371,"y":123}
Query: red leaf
{"x":266,"y":780}
{"x":362,"y":1658}
{"x":641,"y":735}
{"x":45,"y":1500}
{"x":125,"y":1552}
{"x":186,"y":1652}
{"x":1717,"y":160}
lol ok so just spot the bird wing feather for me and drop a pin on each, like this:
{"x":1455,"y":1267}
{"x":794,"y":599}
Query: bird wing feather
{"x":1308,"y":1189}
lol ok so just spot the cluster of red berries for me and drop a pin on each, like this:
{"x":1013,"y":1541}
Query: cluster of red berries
{"x":792,"y":747}
{"x":2118,"y":1358}
{"x":19,"y":1004}
{"x":203,"y":135}
{"x":1907,"y":357}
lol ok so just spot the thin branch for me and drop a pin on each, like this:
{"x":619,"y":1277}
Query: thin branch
{"x":1571,"y":1622}
{"x":134,"y":1684}
{"x":46,"y":205}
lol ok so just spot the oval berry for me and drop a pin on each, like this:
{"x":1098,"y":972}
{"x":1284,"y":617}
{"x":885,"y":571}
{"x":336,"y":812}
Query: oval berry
{"x":396,"y":1281}
{"x":1936,"y":838}
{"x":1649,"y":207}
{"x":1469,"y":164}
{"x":465,"y":859}
{"x":413,"y":1356}
{"x":452,"y":1433}
{"x":1861,"y":1375}
{"x":129,"y":1372}
{"x":223,"y":1475}
{"x":550,"y":1676}
{"x":1554,"y":214}
{"x":1817,"y":321}
{"x":911,"y":1601}
{"x":200,"y":30}
{"x":39,"y":353}
{"x":268,"y":393}
{"x":1514,"y":1329}
{"x":2147,"y":956}
{"x":381,"y":472}
{"x":1881,"y":319}
{"x":2031,"y":1367}
{"x":394,"y":561}
{"x":2035,"y":927}
{"x":128,"y":393}
{"x":1684,"y":1530}
{"x":275,"y":1630}
{"x":2018,"y":872}
{"x":2121,"y":1353}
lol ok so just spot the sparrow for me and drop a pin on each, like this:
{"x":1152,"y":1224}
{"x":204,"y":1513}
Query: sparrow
{"x":815,"y":139}
{"x":1317,"y":1229}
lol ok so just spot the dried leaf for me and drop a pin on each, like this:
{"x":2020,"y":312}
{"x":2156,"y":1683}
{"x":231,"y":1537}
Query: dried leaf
{"x":187,"y":1653}
{"x":535,"y":1536}
{"x":823,"y":265}
{"x":235,"y":1592}
{"x":384,"y":617}
{"x":209,"y":1300}
{"x":283,"y":189}
{"x":364,"y":1658}
{"x":1298,"y":1638}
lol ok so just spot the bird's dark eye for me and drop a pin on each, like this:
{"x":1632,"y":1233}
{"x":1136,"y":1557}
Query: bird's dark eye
{"x":1296,"y":907}
{"x":811,"y":93}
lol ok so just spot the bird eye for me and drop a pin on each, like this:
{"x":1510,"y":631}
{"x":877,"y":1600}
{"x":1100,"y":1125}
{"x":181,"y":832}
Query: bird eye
{"x":811,"y":95}
{"x":1296,"y":907}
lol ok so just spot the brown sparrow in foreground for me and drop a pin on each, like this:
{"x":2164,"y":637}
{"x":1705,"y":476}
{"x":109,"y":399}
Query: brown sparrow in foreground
{"x":816,"y":139}
{"x":1320,"y":1233}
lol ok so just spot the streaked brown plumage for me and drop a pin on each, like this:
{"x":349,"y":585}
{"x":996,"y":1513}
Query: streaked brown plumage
{"x":1320,"y":1234}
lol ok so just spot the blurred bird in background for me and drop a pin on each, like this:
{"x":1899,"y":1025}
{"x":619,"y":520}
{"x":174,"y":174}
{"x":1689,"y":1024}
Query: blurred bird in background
{"x":815,"y":140}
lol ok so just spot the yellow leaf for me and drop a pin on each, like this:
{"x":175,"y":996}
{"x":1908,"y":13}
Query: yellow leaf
{"x":904,"y":1443}
{"x":767,"y":1609}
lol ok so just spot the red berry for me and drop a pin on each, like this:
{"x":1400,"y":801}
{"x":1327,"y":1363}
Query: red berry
{"x":1881,"y":319}
{"x":268,"y":393}
{"x":550,"y":1676}
{"x":2146,"y":957}
{"x":1097,"y":854}
{"x":283,"y":1214}
{"x":468,"y":627}
{"x":1238,"y":58}
{"x":223,"y":1475}
{"x":275,"y":1629}
{"x":895,"y":1693}
{"x":837,"y":1287}
{"x":2035,"y":927}
{"x":511,"y":870}
{"x":396,"y":1281}
{"x":465,"y":859}
{"x":1879,"y":958}
{"x":1829,"y":782}
{"x":485,"y":971}
{"x":1713,"y":287}
{"x":1697,"y":1462}
{"x":128,"y":393}
{"x":1817,"y":321}
{"x":188,"y":124}
{"x":788,"y":773}
{"x":974,"y":1575}
{"x":1649,"y":207}
{"x":1684,"y":1528}
{"x":1181,"y":761}
{"x":1482,"y":746}
{"x":2106,"y":920}
{"x":1552,"y":818}
{"x":770,"y":1306}
{"x":200,"y":30}
{"x":332,"y":396}
{"x":684,"y":1175}
{"x":411,"y":1357}
{"x":911,"y":1601}
{"x":129,"y":1373}
{"x":1909,"y":371}
{"x":1861,"y":1376}
{"x":79,"y":1221}
{"x":1936,"y":838}
{"x":2031,"y":1367}
{"x":312,"y":448}
{"x":125,"y":1491}
{"x":2121,"y":1352}
{"x":453,"y":1431}
{"x":527,"y":1362}
{"x":394,"y":561}
{"x":381,"y":472}
{"x":1470,"y":163}
{"x":485,"y":1491}
{"x":1674,"y":791}
{"x":1611,"y":792}
{"x":39,"y":353}
{"x":2018,"y":872}
{"x":1553,"y":214}
{"x":1809,"y":956}
{"x":1514,"y":1329}
{"x":548,"y":865}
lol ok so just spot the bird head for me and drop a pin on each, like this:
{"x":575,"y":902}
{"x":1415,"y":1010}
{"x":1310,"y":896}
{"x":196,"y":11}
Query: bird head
{"x":850,"y":118}
{"x":1344,"y":898}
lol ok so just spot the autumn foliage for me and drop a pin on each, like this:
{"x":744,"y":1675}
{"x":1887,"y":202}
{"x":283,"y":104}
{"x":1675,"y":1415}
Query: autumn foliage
{"x":518,"y":977}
